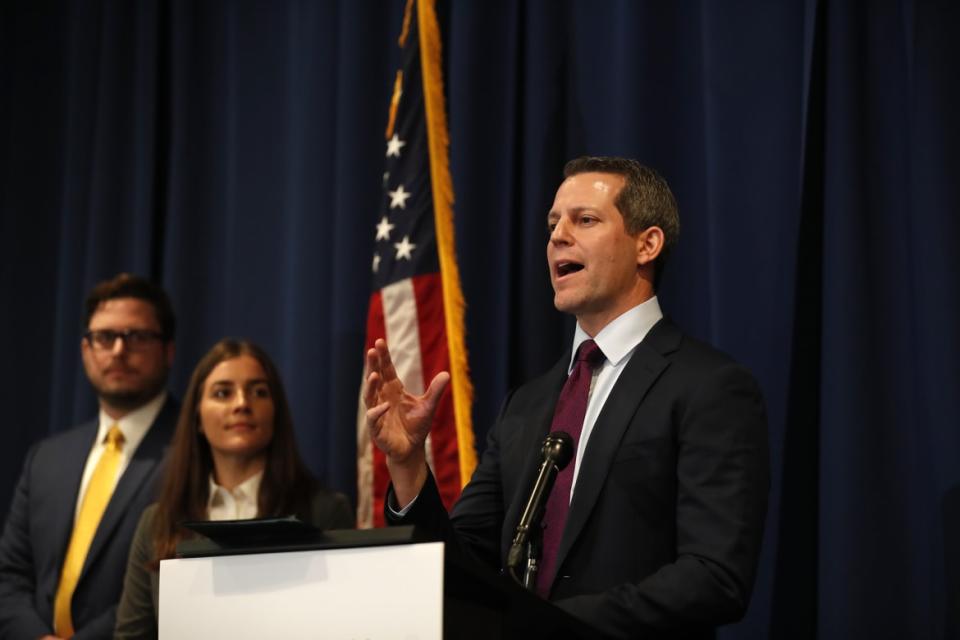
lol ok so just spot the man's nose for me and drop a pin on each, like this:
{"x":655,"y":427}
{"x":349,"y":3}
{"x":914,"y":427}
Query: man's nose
{"x":119,"y":345}
{"x":561,"y":232}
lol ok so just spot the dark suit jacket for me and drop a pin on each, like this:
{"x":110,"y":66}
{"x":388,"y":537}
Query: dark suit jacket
{"x":667,"y":514}
{"x":40,"y":522}
{"x":138,"y":613}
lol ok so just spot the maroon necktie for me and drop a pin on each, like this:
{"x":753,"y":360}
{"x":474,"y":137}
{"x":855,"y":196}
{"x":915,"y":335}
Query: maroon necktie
{"x":568,"y":416}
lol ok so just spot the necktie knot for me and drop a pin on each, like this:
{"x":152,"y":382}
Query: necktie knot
{"x":590,"y":353}
{"x":115,"y":438}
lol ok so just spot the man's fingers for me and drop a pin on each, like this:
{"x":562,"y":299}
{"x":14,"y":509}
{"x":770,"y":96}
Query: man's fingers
{"x":371,"y":389}
{"x":435,"y":390}
{"x":387,"y":369}
{"x":373,"y":360}
{"x":375,"y":413}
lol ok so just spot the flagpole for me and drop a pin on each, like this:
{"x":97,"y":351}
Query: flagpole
{"x":453,"y":302}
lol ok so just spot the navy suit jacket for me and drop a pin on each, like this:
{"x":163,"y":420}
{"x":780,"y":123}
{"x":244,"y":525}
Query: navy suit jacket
{"x":667,"y":514}
{"x":40,"y":521}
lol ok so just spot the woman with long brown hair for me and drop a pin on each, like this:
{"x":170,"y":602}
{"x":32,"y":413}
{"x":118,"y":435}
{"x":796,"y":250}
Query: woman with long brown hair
{"x":233,"y":456}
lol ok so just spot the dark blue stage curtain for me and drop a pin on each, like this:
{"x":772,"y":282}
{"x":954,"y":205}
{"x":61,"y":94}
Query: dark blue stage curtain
{"x":234,"y":150}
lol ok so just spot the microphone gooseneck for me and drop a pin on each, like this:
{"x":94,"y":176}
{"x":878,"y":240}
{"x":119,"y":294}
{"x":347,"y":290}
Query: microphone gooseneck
{"x":555,"y":454}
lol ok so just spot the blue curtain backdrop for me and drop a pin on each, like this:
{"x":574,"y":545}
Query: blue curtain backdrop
{"x":233,"y":151}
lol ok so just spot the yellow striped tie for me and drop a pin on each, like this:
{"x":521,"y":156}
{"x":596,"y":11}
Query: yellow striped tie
{"x":92,"y":507}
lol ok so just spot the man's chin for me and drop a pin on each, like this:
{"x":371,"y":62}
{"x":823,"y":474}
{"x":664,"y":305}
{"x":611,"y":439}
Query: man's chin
{"x":128,"y":399}
{"x":565,"y":303}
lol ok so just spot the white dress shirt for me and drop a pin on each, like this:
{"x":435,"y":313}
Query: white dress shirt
{"x":133,"y":426}
{"x":618,"y":340}
{"x":237,"y":504}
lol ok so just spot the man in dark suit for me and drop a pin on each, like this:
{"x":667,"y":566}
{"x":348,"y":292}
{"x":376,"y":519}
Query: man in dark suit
{"x":64,"y":546}
{"x":659,"y":526}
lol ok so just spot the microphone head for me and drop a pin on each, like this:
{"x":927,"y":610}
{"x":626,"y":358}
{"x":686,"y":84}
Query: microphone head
{"x":558,"y":447}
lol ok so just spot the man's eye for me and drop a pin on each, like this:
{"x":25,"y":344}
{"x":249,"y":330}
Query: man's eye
{"x":102,"y":337}
{"x":139,"y":337}
{"x":105,"y":338}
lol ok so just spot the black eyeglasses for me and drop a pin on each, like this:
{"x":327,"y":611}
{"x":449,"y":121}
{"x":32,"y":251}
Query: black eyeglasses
{"x":133,"y":339}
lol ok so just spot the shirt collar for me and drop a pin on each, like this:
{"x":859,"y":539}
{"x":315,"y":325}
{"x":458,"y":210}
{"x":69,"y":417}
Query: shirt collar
{"x":134,"y":425}
{"x":249,"y":489}
{"x":618,"y":339}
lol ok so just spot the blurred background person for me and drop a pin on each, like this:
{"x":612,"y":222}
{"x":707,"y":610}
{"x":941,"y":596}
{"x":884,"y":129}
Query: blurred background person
{"x":233,"y":456}
{"x":81,"y":492}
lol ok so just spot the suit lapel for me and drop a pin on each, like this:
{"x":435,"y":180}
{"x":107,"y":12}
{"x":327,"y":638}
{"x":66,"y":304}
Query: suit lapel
{"x":538,"y":425}
{"x":66,"y":484}
{"x":641,"y":372}
{"x":521,"y":454}
{"x":147,"y":458}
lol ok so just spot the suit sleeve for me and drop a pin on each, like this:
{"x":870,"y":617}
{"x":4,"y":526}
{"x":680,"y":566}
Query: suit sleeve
{"x":18,"y":615}
{"x":474,"y":526}
{"x":723,"y":479}
{"x":136,"y":616}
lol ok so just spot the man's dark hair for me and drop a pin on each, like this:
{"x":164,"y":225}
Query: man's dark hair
{"x":126,"y":285}
{"x":644,"y":201}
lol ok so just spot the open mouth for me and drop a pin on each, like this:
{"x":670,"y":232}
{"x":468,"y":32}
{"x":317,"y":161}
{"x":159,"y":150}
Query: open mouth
{"x":566,"y":268}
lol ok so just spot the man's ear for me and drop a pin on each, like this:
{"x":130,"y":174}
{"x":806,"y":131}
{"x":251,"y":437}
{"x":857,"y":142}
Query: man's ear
{"x":649,"y":245}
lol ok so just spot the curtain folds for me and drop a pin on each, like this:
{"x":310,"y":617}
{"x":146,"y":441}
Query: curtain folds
{"x":234,"y":152}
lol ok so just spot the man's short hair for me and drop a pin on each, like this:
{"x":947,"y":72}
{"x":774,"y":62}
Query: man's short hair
{"x":126,"y":285}
{"x":644,"y":201}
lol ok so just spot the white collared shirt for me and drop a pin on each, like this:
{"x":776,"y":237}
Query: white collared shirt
{"x":237,"y":504}
{"x":133,"y":426}
{"x":618,"y":340}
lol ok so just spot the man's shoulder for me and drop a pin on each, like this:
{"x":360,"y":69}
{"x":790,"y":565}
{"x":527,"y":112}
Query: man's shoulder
{"x":47,"y":461}
{"x":84,"y":432}
{"x":695,"y":364}
{"x":69,"y":438}
{"x":672,"y":342}
{"x":697,"y":352}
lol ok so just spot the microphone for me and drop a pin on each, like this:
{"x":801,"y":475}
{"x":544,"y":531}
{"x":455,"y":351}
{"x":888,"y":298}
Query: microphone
{"x":555,"y":455}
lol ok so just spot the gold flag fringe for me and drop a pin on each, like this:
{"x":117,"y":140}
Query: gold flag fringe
{"x":438,"y":141}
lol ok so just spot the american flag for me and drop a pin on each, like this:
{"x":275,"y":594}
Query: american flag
{"x":417,"y":303}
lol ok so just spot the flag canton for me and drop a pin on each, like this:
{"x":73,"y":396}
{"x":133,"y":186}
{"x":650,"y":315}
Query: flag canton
{"x":405,"y":240}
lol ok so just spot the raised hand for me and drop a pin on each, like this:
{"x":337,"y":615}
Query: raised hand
{"x":398,"y":420}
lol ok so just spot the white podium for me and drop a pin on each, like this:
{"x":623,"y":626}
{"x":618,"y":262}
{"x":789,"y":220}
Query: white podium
{"x":351,"y":594}
{"x":277,"y":579}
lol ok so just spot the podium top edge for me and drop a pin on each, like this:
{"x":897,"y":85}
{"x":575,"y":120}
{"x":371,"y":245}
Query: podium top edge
{"x":286,"y":541}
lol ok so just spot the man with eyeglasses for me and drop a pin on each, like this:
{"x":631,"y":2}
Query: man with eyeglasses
{"x":63,"y":551}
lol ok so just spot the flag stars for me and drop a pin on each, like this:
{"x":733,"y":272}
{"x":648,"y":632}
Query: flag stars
{"x":383,"y":229}
{"x":376,"y":262}
{"x":398,"y":197}
{"x":394,"y":145}
{"x":404,"y":249}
